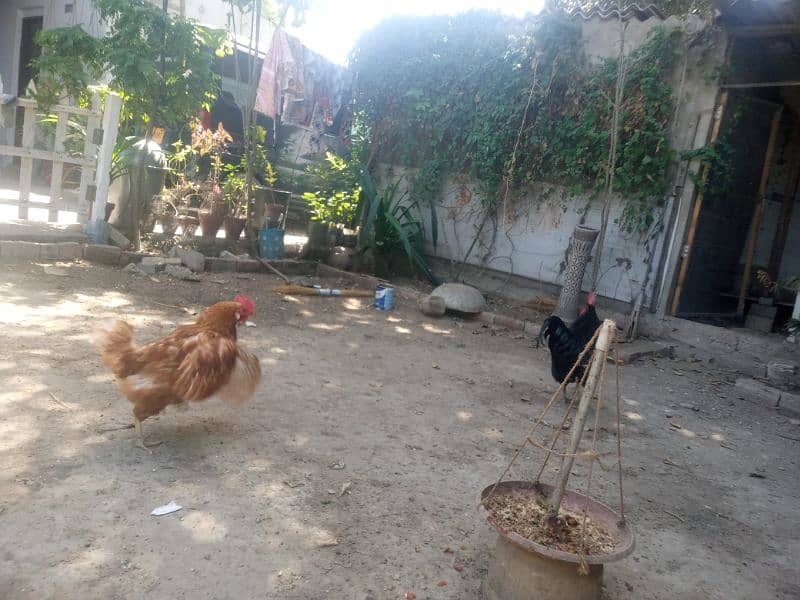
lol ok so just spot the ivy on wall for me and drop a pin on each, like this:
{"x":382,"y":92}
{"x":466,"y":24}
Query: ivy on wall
{"x":447,"y":95}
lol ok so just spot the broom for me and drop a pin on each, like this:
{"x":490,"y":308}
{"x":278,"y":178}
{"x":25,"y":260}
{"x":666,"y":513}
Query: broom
{"x":300,"y":290}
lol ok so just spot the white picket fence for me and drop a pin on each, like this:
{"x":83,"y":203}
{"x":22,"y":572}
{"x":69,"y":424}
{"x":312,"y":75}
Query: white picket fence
{"x":94,"y":161}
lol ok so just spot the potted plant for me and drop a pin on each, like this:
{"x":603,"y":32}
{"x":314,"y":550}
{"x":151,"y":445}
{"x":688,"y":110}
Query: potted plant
{"x":332,"y":205}
{"x":214,"y":208}
{"x":234,"y":193}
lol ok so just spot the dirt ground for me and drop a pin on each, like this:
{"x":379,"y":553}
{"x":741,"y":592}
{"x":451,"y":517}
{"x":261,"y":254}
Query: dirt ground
{"x":354,"y":472}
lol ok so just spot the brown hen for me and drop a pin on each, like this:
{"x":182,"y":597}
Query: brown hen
{"x":194,"y":363}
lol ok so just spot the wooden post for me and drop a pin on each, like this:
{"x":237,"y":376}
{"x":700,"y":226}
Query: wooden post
{"x":601,"y":349}
{"x":755,"y":223}
{"x":789,"y":193}
{"x":87,"y":191}
{"x":111,"y":112}
{"x":57,"y":173}
{"x":698,"y":205}
{"x":26,"y":163}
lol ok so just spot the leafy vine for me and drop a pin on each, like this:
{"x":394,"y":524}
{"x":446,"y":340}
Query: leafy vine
{"x":446,"y":95}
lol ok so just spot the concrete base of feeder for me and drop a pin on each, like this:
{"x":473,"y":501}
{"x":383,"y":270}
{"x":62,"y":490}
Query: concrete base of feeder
{"x":517,"y":574}
{"x":521,"y":569}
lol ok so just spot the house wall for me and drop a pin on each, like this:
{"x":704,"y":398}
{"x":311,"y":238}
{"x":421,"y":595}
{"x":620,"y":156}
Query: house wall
{"x":531,"y":240}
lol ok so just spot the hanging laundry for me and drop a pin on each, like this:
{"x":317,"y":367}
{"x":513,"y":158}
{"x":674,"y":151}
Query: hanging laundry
{"x":278,"y":74}
{"x":300,"y":86}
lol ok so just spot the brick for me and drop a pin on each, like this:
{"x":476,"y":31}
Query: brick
{"x":12,"y":250}
{"x":50,"y":252}
{"x":70,"y":251}
{"x":220,"y":265}
{"x":790,"y":401}
{"x":129,"y":258}
{"x":248,"y":265}
{"x":101,"y":253}
{"x":782,"y":375}
{"x":753,"y":388}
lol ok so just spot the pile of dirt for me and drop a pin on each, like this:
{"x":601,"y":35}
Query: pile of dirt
{"x":527,"y":517}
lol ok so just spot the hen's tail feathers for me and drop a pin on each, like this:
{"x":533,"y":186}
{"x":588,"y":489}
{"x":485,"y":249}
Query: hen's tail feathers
{"x":245,"y":378}
{"x":114,"y":342}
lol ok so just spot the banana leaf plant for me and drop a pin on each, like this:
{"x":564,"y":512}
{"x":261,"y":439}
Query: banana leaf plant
{"x":396,"y":223}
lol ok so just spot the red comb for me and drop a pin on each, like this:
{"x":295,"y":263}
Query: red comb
{"x":248,"y":304}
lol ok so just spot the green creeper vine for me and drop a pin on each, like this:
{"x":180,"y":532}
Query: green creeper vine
{"x":447,"y":95}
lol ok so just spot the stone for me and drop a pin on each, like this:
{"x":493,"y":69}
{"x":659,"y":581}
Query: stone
{"x":193,"y":259}
{"x":157,"y":264}
{"x":228,"y":255}
{"x":102,"y":253}
{"x":118,"y":238}
{"x":181,"y":272}
{"x":432,"y":306}
{"x":133,"y":269}
{"x":460,"y":297}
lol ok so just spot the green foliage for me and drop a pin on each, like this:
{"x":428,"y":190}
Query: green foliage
{"x":159,"y":63}
{"x":716,"y":162}
{"x":337,"y":196}
{"x":448,"y":95}
{"x":396,"y":223}
{"x":70,"y":63}
{"x":667,"y":7}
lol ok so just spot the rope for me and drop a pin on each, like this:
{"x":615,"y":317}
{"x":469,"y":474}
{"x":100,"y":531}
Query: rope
{"x":619,"y":436}
{"x":540,"y":418}
{"x":561,"y":428}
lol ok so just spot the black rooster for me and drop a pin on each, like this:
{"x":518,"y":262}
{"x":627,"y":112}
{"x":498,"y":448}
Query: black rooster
{"x":566,"y":343}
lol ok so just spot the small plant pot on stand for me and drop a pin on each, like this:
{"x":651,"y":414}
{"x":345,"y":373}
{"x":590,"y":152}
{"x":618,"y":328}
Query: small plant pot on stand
{"x":522,"y":569}
{"x":319,"y":243}
{"x":189,"y":224}
{"x":211,"y":220}
{"x":273,"y":214}
{"x":234,"y":226}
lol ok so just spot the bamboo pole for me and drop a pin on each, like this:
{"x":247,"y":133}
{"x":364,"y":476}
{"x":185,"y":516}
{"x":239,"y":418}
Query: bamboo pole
{"x":601,"y":350}
{"x":752,"y":236}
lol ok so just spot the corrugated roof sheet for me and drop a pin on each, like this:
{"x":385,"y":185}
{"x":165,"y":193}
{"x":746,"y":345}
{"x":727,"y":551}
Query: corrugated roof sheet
{"x":608,"y":11}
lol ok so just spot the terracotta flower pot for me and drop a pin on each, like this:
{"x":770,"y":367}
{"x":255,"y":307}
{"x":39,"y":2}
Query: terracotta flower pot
{"x":211,"y":221}
{"x":169,"y":223}
{"x":234,"y":227}
{"x":188,"y":225}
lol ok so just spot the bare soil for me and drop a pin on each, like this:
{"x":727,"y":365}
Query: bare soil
{"x":355,"y":471}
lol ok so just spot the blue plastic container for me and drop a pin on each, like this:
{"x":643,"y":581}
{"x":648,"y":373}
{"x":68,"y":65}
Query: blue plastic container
{"x":384,"y":297}
{"x":270,"y":243}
